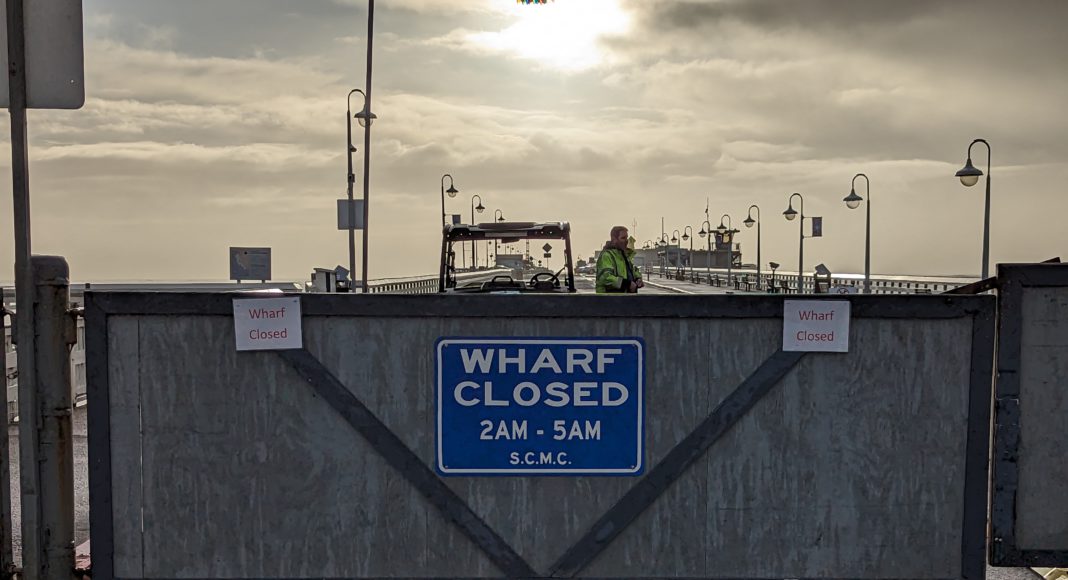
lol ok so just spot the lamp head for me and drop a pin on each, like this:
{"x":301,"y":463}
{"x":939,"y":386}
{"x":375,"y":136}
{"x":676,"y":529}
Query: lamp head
{"x":969,"y":174}
{"x":790,"y":213}
{"x":480,"y":208}
{"x":749,"y":221}
{"x":364,"y":118}
{"x":452,"y":191}
{"x":852,"y":200}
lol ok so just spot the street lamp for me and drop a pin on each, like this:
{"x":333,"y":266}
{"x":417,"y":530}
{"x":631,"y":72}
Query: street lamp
{"x":663,"y":243}
{"x":749,"y":221}
{"x":687,"y":234}
{"x":452,"y":191}
{"x":708,"y":259}
{"x":498,"y":216}
{"x":852,"y":201}
{"x":351,"y":181}
{"x":675,"y":240}
{"x":790,"y":215}
{"x":728,"y":231}
{"x":969,"y":176}
{"x":480,"y":208}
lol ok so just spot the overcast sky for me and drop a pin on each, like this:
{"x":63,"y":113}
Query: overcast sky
{"x":217,"y":123}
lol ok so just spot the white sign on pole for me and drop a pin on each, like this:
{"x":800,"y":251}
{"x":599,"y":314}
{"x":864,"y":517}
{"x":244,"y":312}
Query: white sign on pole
{"x":268,"y":324}
{"x":55,"y":69}
{"x":815,"y":326}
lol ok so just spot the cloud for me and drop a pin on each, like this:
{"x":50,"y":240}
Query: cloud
{"x":198,"y":134}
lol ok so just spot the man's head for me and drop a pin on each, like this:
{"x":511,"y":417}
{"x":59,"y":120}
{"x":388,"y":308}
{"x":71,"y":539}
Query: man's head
{"x":618,"y":237}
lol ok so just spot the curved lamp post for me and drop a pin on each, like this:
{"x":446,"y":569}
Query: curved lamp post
{"x":675,"y":235}
{"x":498,"y":216}
{"x":791,"y":214}
{"x":687,"y":234}
{"x":352,"y":180}
{"x":749,"y":221}
{"x":852,"y":201}
{"x":365,"y":118}
{"x":663,"y":243}
{"x":452,"y":191}
{"x":480,"y":208}
{"x":969,"y":175}
{"x":730,"y":243}
{"x":708,"y":259}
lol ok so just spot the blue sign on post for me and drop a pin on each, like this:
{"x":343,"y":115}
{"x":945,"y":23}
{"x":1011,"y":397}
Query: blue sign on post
{"x":533,"y":406}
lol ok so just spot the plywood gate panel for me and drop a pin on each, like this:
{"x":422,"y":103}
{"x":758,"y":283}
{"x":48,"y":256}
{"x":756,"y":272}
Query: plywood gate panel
{"x":853,"y":465}
{"x":1042,"y":511}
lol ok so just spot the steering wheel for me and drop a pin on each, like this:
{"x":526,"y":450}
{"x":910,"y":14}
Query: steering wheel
{"x":535,"y":280}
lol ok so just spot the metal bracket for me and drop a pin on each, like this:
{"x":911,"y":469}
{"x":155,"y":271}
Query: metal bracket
{"x":70,"y":329}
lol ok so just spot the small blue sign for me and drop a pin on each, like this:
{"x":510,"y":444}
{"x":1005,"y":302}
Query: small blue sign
{"x":533,"y":406}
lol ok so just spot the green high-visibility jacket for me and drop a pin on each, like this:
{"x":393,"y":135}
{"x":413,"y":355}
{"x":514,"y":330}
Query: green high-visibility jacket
{"x":612,"y":274}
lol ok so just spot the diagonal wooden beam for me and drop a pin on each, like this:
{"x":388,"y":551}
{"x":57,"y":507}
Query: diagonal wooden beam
{"x":674,"y":464}
{"x":407,"y":463}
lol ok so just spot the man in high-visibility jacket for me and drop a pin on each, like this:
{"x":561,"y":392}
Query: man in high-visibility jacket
{"x":616,"y":274}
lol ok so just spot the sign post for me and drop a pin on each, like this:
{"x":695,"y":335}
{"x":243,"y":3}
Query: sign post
{"x":540,"y":406}
{"x":42,"y":47}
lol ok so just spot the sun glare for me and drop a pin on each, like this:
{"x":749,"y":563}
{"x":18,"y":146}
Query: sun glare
{"x":562,"y":34}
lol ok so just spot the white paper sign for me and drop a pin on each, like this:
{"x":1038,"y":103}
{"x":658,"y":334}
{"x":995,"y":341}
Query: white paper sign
{"x":268,"y":324}
{"x":815,"y":326}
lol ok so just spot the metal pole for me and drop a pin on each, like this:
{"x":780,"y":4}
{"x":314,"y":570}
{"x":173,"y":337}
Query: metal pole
{"x":7,"y":562}
{"x":758,"y":248}
{"x":801,"y":243}
{"x":986,"y":219}
{"x":474,"y":252}
{"x":801,"y":256}
{"x":730,"y":247}
{"x":748,"y":223}
{"x":708,"y":262}
{"x":443,"y":197}
{"x":55,"y":468}
{"x":24,"y":294}
{"x":689,"y":259}
{"x":367,"y":142}
{"x":867,"y":239}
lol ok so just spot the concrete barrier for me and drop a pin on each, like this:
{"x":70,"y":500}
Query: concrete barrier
{"x":207,"y":462}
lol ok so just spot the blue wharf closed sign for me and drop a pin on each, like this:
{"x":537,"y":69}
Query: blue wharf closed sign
{"x":540,"y":406}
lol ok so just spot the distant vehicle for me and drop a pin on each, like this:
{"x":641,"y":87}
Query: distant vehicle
{"x":541,"y":281}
